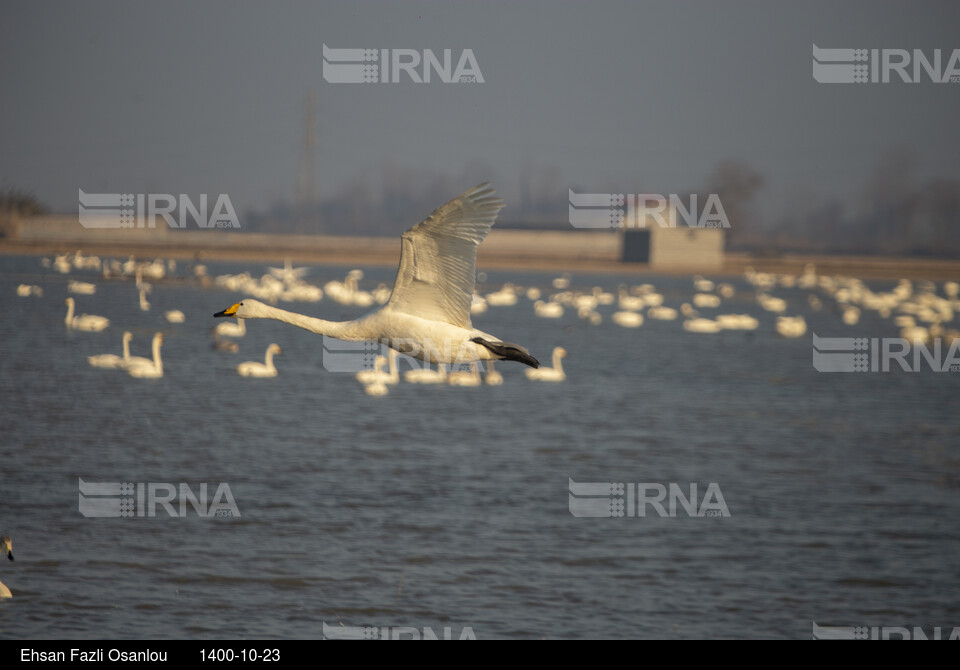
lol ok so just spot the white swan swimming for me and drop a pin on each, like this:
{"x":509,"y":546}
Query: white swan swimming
{"x":469,"y":377}
{"x":706,"y":300}
{"x":257,"y":369}
{"x":81,"y":287}
{"x":220,"y":344}
{"x":86,"y":322}
{"x":174,"y":316}
{"x":653,"y":299}
{"x":791,"y":326}
{"x":701,"y":284}
{"x":348,"y":291}
{"x":478,"y":304}
{"x":393,"y":376}
{"x":370,"y":376}
{"x":662,"y":313}
{"x":492,"y":377}
{"x":140,"y":360}
{"x":377,"y":386}
{"x":505,"y":297}
{"x":27,"y":290}
{"x":145,"y":367}
{"x":628,"y":319}
{"x":554,"y":374}
{"x":238,"y":329}
{"x":426,"y":376}
{"x":548,"y":310}
{"x":915,"y":334}
{"x":112,"y":361}
{"x":737,"y":322}
{"x":772,"y":304}
{"x":700,"y":325}
{"x":630,"y":303}
{"x":7,"y":547}
{"x":428,"y":314}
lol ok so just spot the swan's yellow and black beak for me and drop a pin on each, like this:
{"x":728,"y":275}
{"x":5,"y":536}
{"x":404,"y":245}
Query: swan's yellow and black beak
{"x":7,"y":546}
{"x":229,"y":311}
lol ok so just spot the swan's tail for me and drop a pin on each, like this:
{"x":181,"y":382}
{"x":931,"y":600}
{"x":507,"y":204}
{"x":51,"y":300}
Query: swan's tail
{"x":509,"y":352}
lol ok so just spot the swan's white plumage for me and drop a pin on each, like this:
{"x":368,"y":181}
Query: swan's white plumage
{"x":438,"y":258}
{"x":426,"y":376}
{"x":554,"y":374}
{"x":492,"y":377}
{"x":370,"y":376}
{"x":138,"y":366}
{"x":428,"y":313}
{"x":87,"y":322}
{"x":112,"y":361}
{"x":257,"y":369}
{"x":469,"y":377}
{"x":238,"y":329}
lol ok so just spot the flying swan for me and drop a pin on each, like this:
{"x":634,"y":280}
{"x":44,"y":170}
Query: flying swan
{"x":428,"y":313}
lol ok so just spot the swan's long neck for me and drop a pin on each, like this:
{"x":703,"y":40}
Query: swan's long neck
{"x":126,"y":348}
{"x":394,"y":375}
{"x":338,"y":329}
{"x":157,"y":361}
{"x":556,"y":362}
{"x":269,"y":359}
{"x":69,"y":318}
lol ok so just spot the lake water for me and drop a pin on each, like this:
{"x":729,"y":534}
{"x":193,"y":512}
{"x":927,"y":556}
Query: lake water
{"x":436,"y":507}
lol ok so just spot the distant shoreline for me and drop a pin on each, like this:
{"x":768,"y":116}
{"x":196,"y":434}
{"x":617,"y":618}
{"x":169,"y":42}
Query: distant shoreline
{"x":385,"y":252}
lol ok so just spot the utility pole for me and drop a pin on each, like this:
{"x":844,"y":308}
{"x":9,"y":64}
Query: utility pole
{"x":307,"y":202}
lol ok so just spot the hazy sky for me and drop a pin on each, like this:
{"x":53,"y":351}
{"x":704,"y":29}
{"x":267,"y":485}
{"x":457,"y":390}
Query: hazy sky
{"x":208,"y":97}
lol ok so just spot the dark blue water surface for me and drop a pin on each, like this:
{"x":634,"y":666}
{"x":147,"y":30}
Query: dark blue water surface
{"x":436,"y":507}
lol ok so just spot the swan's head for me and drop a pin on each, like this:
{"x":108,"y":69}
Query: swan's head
{"x":274,"y":348}
{"x":248,"y":308}
{"x":7,"y":546}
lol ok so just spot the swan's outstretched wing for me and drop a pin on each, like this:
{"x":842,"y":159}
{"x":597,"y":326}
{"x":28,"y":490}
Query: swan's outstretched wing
{"x":438,"y":257}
